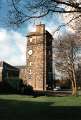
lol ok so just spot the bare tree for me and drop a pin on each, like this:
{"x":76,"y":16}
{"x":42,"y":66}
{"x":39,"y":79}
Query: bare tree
{"x":23,"y":10}
{"x":67,"y":58}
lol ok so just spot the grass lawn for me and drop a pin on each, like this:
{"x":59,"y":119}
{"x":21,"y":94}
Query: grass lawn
{"x":22,"y":107}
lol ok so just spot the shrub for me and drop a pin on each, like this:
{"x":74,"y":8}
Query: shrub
{"x":28,"y":89}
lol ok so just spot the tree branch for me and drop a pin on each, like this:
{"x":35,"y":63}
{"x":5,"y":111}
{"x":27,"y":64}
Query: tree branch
{"x":59,"y":27}
{"x":71,"y":4}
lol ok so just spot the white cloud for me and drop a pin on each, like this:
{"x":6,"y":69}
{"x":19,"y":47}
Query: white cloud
{"x":12,"y":47}
{"x":31,"y":28}
{"x":2,"y":35}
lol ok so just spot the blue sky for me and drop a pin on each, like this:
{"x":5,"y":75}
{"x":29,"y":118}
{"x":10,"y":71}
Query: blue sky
{"x":13,"y":41}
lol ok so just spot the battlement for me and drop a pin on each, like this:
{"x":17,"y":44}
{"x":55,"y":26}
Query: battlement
{"x":40,"y":29}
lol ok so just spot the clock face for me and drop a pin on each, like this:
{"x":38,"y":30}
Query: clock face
{"x":30,"y":52}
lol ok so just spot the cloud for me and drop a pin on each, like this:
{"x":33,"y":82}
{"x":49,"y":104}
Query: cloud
{"x":31,"y":28}
{"x":12,"y":47}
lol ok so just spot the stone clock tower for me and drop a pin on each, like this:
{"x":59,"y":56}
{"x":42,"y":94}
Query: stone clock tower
{"x":39,"y":59}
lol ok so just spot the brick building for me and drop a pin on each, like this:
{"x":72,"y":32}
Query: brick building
{"x":39,"y":73}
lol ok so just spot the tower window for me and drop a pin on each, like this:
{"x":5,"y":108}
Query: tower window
{"x":30,"y":71}
{"x":30,"y":76}
{"x":30,"y":39}
{"x":30,"y":63}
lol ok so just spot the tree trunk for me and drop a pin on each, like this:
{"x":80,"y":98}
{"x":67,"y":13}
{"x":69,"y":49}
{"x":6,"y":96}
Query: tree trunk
{"x":74,"y":85}
{"x":74,"y":89}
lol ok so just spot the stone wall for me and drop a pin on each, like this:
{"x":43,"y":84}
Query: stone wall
{"x":39,"y":44}
{"x":22,"y":74}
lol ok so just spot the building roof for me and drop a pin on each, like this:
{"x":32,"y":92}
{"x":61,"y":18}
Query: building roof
{"x":21,"y":67}
{"x":3,"y":63}
{"x":34,"y":34}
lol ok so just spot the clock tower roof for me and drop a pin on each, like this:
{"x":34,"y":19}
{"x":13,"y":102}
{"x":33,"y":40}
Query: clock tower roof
{"x":40,"y":29}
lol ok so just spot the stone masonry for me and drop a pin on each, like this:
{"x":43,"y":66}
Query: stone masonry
{"x":39,"y":59}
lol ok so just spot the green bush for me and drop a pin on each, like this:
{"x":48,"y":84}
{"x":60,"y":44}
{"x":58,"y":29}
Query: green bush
{"x":28,"y":89}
